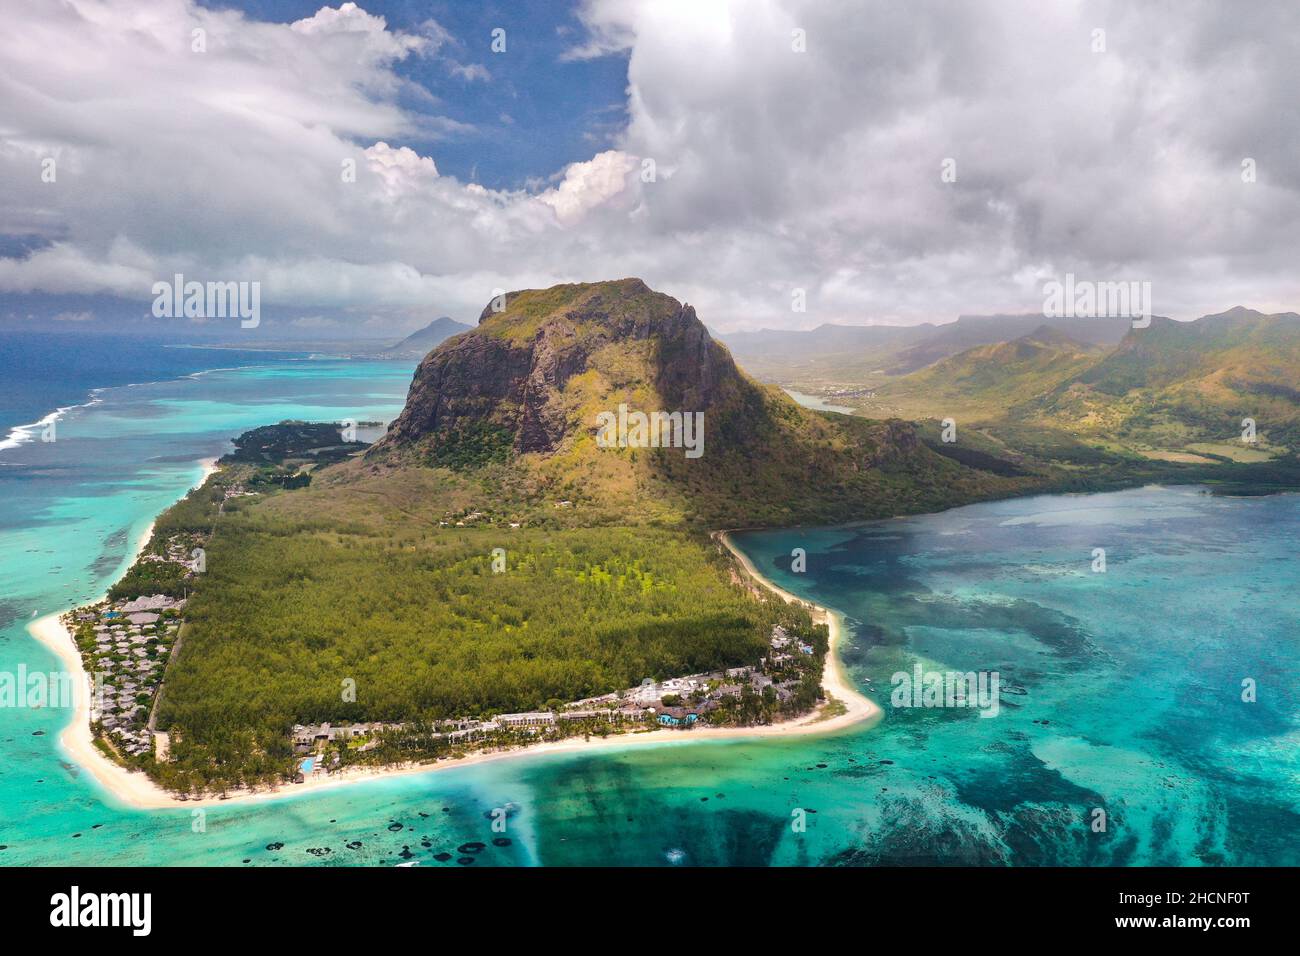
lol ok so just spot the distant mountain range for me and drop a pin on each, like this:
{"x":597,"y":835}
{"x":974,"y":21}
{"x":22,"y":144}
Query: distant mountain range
{"x":1176,"y":389}
{"x":1191,"y":384}
{"x":855,"y":356}
{"x":976,"y":330}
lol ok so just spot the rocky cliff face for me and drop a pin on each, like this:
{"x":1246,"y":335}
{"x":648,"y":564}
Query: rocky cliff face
{"x":515,"y":369}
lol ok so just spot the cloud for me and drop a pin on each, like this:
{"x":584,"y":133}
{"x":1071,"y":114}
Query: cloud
{"x":349,"y":20}
{"x":774,"y":169}
{"x":610,"y":28}
{"x":399,"y":169}
{"x":588,"y":185}
{"x":63,"y":268}
{"x":83,"y":316}
{"x":468,"y":72}
{"x":821,"y":169}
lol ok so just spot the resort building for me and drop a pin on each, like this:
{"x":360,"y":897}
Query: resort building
{"x":158,"y":602}
{"x":533,"y":718}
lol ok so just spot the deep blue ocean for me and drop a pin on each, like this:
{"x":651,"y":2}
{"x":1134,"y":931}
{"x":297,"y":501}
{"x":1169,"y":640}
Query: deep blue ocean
{"x":41,"y":372}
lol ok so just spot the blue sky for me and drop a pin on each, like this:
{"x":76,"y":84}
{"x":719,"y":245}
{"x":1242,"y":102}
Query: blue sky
{"x":535,"y":114}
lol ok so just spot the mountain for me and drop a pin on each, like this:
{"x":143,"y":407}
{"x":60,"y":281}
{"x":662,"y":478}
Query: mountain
{"x":421,"y":342}
{"x":524,"y":389}
{"x":828,"y":354}
{"x":1065,"y":395}
{"x":1242,"y":344}
{"x":520,"y":398}
{"x":985,"y":381}
{"x":848,"y":359}
{"x":1174,"y":391}
{"x":1191,"y":383}
{"x":973,"y":330}
{"x":520,"y":373}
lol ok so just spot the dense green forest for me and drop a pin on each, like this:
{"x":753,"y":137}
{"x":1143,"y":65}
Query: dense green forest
{"x":320,"y":442}
{"x":424,"y":626}
{"x":151,"y":577}
{"x":294,"y":612}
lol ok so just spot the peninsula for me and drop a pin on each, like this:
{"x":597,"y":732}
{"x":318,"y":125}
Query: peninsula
{"x":528,"y":560}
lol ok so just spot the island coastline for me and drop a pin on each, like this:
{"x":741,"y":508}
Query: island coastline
{"x":136,"y":790}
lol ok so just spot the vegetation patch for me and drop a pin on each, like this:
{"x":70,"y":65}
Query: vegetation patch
{"x":473,"y":445}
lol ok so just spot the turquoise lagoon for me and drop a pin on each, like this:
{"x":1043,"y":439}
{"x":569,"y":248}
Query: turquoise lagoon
{"x":1121,"y":691}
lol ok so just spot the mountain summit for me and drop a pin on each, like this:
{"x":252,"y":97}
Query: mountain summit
{"x":539,"y":358}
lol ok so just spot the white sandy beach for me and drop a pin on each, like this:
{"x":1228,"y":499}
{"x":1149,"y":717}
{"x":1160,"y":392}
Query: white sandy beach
{"x":76,"y":739}
{"x":835,"y":682}
{"x":136,"y":790}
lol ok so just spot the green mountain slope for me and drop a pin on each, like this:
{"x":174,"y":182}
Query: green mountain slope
{"x":1173,"y":392}
{"x":1190,"y":385}
{"x":849,"y":360}
{"x":984,"y":382}
{"x":975,"y":330}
